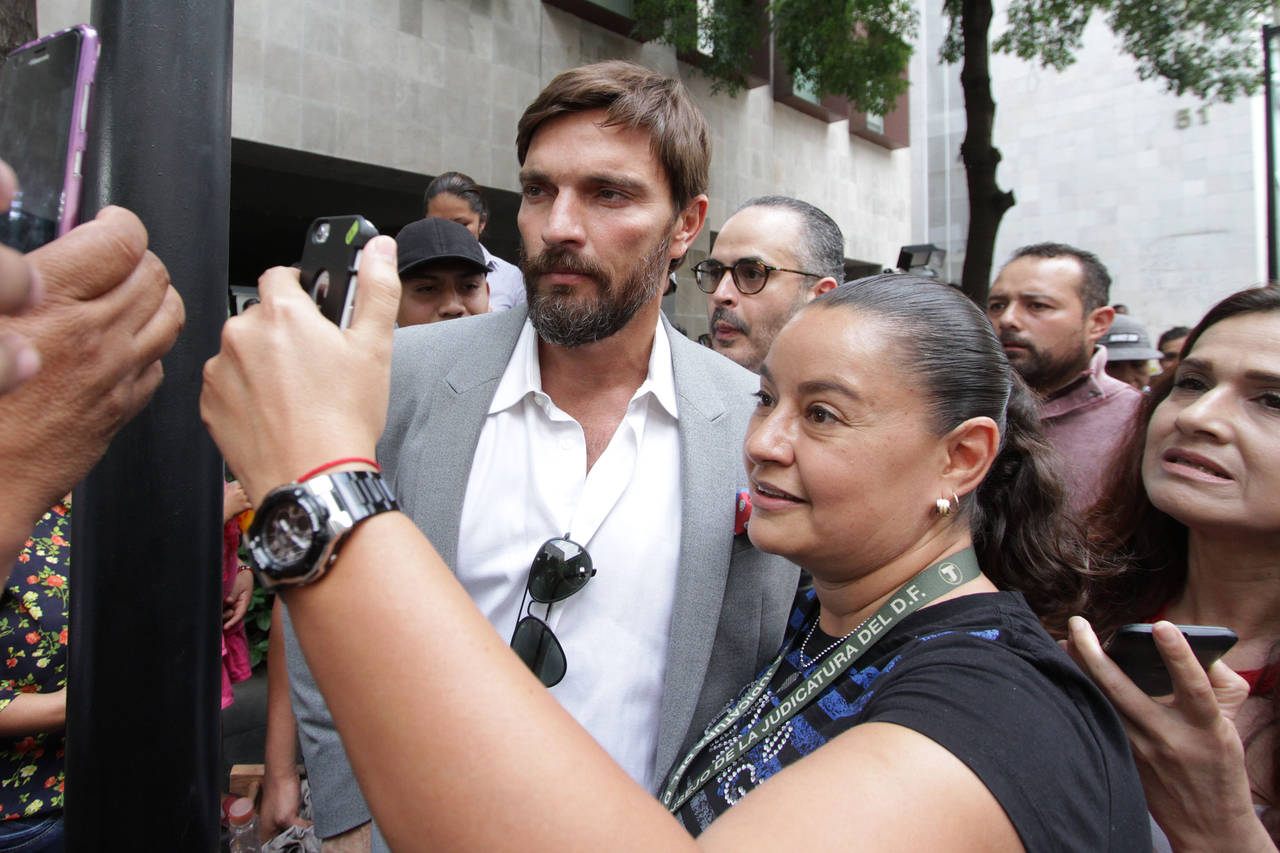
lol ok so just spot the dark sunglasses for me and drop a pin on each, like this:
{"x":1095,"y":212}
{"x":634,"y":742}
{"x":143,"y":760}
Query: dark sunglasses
{"x":748,"y":276}
{"x":560,"y":568}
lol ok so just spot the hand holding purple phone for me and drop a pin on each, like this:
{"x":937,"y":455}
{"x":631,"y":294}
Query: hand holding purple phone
{"x":107,"y":316}
{"x":45,"y":87}
{"x":44,"y":112}
{"x":19,"y":290}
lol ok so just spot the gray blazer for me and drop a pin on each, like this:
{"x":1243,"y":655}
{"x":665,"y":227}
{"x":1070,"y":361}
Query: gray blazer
{"x":732,"y":601}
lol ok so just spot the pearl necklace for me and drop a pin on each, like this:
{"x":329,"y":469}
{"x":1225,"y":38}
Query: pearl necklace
{"x":809,"y":636}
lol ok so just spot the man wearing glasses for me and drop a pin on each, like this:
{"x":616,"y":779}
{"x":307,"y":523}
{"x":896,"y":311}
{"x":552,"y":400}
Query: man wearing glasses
{"x":578,"y":462}
{"x":771,"y":257}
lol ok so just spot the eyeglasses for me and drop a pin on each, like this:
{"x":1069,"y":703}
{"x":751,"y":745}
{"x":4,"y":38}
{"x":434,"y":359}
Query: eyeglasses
{"x":748,"y":276}
{"x":561,"y":568}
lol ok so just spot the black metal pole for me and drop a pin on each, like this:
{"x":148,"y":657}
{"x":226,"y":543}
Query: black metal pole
{"x":1269,"y":35}
{"x":143,"y":692}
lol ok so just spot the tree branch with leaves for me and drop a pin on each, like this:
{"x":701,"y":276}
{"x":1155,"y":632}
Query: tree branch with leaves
{"x":859,"y":49}
{"x":854,"y":48}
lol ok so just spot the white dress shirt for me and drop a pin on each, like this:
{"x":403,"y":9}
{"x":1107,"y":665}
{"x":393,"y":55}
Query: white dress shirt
{"x":506,"y":283}
{"x":529,"y":483}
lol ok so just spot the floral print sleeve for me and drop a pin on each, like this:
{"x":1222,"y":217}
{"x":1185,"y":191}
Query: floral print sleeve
{"x":33,"y":659}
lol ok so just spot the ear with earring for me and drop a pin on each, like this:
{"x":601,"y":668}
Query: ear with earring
{"x":947,"y":507}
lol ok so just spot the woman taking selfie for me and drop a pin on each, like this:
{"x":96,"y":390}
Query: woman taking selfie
{"x":914,"y":705}
{"x":1195,"y":505}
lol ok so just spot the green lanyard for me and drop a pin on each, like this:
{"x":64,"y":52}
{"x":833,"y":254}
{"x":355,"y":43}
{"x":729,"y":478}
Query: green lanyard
{"x":931,"y":583}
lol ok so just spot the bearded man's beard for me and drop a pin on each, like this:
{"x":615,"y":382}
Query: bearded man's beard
{"x":563,"y":316}
{"x":1044,"y":371}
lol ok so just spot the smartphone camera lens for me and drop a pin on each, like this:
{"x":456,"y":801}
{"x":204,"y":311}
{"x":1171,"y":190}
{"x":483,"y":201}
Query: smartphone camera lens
{"x":321,"y":234}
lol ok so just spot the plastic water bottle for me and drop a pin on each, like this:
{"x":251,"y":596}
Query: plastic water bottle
{"x":243,"y":823}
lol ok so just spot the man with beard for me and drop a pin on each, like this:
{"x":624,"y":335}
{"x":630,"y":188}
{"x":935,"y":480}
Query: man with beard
{"x":770,"y":258}
{"x":519,"y":440}
{"x":1049,"y":305}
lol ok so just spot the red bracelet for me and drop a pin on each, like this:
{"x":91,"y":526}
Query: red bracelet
{"x":335,"y":463}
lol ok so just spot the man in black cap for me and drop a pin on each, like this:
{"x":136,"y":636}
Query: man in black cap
{"x":442,"y":270}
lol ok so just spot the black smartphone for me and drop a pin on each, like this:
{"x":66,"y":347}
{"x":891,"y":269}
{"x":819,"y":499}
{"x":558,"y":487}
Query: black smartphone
{"x":1134,"y":651}
{"x":330,"y":260}
{"x":45,"y":87}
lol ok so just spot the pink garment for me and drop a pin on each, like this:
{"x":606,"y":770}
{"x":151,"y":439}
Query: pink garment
{"x":1085,"y":422}
{"x":235,"y":646}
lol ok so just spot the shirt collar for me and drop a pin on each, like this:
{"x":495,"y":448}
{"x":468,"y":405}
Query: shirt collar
{"x":661,"y":381}
{"x":523,"y":375}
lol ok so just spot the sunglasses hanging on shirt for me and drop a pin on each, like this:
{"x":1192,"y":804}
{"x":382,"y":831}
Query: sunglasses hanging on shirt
{"x":560,"y":568}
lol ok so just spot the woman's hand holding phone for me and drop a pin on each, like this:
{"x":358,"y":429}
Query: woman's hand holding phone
{"x":289,"y":390}
{"x":1186,"y":747}
{"x":108,"y":315}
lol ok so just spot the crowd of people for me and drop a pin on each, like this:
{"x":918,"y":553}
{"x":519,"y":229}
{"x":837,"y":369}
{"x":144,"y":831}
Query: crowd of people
{"x":845,"y":575}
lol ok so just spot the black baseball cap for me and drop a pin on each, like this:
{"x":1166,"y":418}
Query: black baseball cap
{"x":435,"y":239}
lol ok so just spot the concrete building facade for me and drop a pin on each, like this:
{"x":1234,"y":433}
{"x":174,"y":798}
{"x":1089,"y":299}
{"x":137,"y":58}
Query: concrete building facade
{"x":412,"y":88}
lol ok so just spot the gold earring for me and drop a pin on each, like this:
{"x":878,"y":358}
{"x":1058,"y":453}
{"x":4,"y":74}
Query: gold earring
{"x":947,"y":507}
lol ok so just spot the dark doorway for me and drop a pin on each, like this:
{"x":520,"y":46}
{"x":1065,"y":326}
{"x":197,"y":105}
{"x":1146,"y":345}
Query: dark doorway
{"x":276,"y":192}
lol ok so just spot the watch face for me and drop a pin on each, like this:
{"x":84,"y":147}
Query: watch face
{"x":300,"y":526}
{"x":288,"y":533}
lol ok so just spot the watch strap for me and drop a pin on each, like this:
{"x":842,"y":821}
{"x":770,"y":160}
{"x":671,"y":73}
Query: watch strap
{"x":352,"y":496}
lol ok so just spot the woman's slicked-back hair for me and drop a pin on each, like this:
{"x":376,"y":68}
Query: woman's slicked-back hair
{"x":632,"y":96}
{"x":1025,"y":537}
{"x":947,"y":342}
{"x":456,"y":183}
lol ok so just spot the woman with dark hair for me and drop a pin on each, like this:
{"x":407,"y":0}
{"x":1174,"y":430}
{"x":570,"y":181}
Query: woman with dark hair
{"x":916,"y":703}
{"x":1194,"y":504}
{"x":454,"y":196}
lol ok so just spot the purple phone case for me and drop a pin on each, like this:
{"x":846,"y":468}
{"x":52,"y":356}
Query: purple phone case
{"x":73,"y":172}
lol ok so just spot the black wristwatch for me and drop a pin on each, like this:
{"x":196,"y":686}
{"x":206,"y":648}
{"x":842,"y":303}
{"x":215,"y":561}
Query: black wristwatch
{"x":297,"y":531}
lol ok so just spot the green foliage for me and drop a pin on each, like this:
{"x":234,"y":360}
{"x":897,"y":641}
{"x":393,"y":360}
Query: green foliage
{"x":1207,"y":48}
{"x":859,"y":48}
{"x":1048,"y":30}
{"x":735,"y":32}
{"x":854,"y":48}
{"x":257,"y":625}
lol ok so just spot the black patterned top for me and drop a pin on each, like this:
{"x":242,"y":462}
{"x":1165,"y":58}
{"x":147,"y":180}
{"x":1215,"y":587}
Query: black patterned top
{"x":980,"y":677}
